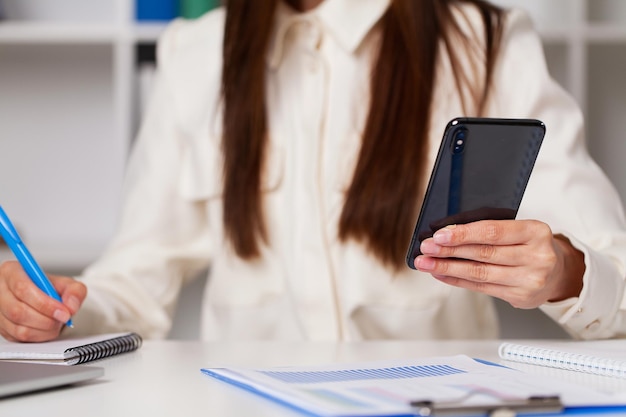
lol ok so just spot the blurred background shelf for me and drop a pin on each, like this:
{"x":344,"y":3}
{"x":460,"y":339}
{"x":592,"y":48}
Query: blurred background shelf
{"x":24,"y":33}
{"x":56,"y":33}
{"x":54,"y":256}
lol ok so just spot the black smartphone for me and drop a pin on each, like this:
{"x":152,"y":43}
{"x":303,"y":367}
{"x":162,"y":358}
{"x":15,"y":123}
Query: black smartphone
{"x":481,"y":172}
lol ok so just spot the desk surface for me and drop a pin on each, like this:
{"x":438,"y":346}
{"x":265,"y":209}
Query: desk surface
{"x":163,"y":378}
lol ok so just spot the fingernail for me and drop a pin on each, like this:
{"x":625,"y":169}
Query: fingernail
{"x":443,"y":235}
{"x":60,"y":315}
{"x":429,"y":247}
{"x":424,"y":263}
{"x":73,"y":303}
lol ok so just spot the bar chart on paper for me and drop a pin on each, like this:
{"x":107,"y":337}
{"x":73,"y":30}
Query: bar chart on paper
{"x":361,"y":396}
{"x":362,"y":374}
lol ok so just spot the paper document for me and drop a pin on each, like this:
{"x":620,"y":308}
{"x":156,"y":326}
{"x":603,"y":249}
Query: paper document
{"x":388,"y":388}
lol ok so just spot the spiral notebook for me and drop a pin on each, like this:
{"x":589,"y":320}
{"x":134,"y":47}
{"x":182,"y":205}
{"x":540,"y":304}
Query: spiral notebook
{"x":603,"y":357}
{"x":71,"y":351}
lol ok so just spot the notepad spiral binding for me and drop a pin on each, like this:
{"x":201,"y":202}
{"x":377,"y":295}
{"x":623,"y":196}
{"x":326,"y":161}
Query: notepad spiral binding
{"x":104,"y":349}
{"x":563,"y":360}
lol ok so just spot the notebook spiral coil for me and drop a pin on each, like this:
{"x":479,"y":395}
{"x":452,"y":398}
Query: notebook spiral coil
{"x":564,"y":360}
{"x":104,"y":349}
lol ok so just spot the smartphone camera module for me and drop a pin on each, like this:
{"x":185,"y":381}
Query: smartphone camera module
{"x":458,"y":140}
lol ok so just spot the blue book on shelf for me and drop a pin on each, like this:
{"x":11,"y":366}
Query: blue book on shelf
{"x":156,"y":10}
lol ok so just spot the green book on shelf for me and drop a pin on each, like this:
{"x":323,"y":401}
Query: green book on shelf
{"x":192,"y":9}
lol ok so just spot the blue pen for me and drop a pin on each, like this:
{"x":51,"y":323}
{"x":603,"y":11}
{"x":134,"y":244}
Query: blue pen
{"x":21,"y":252}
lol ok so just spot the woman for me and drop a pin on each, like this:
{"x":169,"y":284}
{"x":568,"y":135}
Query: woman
{"x":287,"y":147}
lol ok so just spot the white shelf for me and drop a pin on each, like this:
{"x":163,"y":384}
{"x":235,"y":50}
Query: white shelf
{"x":147,"y":32}
{"x":555,"y":35}
{"x":23,"y":32}
{"x":605,"y":33}
{"x":54,"y":33}
{"x":592,"y":33}
{"x":54,"y":258}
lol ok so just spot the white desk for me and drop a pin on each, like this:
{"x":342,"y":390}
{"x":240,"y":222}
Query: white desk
{"x":163,"y":378}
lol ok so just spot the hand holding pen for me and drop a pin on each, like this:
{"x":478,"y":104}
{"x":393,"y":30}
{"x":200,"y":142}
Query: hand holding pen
{"x":31,"y":307}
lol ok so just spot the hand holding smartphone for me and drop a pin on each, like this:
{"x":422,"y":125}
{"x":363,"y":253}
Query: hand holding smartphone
{"x":481,"y":172}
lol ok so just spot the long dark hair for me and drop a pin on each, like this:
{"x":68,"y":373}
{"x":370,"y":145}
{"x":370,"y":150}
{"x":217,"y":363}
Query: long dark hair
{"x":379,"y":210}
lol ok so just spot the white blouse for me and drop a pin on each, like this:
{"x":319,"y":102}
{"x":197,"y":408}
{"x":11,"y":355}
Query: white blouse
{"x":308,"y":285}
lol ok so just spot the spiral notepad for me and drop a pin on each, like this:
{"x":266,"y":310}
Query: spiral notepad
{"x":606,"y":357}
{"x":71,"y":351}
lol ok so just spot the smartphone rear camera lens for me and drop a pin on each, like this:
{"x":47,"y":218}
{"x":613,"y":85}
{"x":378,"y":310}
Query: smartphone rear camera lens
{"x":458,"y":141}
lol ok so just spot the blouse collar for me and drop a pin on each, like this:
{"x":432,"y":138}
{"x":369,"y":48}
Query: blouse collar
{"x":347,"y":21}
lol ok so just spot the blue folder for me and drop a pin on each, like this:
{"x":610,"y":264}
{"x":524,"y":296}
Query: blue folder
{"x":537,"y":412}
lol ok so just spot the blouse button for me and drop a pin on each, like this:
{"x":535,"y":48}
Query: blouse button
{"x":313,"y":34}
{"x":593,"y":325}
